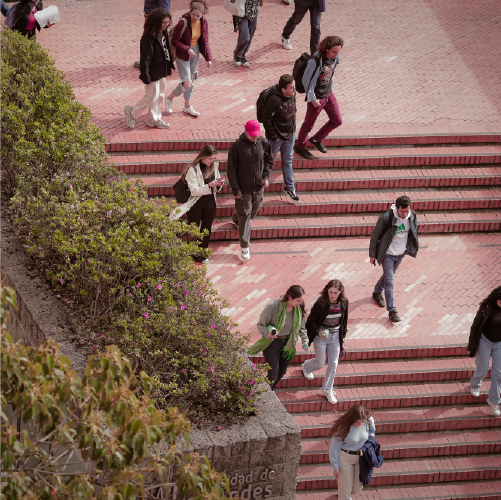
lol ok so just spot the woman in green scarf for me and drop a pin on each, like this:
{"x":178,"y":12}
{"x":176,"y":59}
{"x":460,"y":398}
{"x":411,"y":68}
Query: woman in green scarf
{"x":280,"y":324}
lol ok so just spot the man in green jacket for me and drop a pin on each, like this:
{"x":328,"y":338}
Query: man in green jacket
{"x":394,"y":236}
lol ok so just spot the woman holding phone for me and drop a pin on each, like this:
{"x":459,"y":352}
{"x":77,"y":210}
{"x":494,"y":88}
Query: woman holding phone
{"x":349,"y":433}
{"x":280,"y":324}
{"x":327,"y":327}
{"x":204,"y":180}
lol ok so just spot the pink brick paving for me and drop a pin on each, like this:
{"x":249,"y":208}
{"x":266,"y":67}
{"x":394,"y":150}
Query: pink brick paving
{"x":407,"y":67}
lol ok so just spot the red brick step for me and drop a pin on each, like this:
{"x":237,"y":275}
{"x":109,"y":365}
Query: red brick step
{"x":467,"y":468}
{"x":415,"y":445}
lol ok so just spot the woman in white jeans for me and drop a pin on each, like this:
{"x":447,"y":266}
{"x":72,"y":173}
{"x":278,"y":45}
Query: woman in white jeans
{"x":484,"y":343}
{"x":349,"y":433}
{"x":327,"y":327}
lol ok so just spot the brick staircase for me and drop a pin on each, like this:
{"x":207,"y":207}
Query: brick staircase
{"x":454,"y":182}
{"x":438,"y":441}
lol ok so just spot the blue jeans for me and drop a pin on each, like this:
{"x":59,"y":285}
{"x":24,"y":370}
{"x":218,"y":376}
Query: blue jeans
{"x":331,"y":347}
{"x":286,"y":152}
{"x":486,"y":349}
{"x":246,"y":31}
{"x":301,"y":7}
{"x":386,"y":282}
{"x":5,"y":9}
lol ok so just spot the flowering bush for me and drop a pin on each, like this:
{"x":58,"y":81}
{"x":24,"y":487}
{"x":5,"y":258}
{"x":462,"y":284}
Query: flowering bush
{"x":113,"y":253}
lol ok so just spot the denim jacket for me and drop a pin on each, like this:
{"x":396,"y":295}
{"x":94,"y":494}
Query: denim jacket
{"x":311,"y":74}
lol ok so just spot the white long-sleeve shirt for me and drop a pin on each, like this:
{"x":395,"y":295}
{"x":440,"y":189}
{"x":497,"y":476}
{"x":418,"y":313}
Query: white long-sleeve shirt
{"x":352,"y":442}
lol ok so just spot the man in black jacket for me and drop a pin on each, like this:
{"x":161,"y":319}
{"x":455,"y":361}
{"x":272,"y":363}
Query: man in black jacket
{"x":394,"y":236}
{"x":249,"y":164}
{"x":279,"y":120}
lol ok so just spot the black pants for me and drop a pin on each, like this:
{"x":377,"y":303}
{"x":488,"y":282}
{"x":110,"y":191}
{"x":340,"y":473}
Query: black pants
{"x":203,"y":211}
{"x":273,"y":356}
{"x":301,"y":7}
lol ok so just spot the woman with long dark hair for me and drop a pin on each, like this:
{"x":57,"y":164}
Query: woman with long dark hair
{"x":155,"y":63}
{"x":349,"y":433}
{"x":204,"y":180}
{"x":191,"y":39}
{"x":327,"y":327}
{"x":484,"y":343}
{"x":280,"y":324}
{"x":23,"y":17}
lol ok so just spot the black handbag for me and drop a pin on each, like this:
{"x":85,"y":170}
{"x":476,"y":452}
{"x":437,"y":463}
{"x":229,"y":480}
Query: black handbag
{"x":181,"y":190}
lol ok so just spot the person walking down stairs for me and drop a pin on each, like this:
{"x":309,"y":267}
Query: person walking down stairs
{"x":327,"y":327}
{"x":349,"y":433}
{"x":484,"y":343}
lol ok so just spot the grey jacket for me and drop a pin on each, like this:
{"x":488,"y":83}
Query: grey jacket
{"x":383,"y":234}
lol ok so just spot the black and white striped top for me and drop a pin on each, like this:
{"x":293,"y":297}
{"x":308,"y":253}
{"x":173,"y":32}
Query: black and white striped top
{"x":333,"y":318}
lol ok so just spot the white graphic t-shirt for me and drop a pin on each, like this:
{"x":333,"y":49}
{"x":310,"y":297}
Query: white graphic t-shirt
{"x":399,"y":242}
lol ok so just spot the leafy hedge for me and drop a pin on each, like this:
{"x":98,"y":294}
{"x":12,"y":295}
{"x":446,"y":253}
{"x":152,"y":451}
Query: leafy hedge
{"x":109,"y":250}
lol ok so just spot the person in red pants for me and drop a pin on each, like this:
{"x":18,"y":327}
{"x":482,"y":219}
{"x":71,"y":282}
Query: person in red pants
{"x":317,"y":80}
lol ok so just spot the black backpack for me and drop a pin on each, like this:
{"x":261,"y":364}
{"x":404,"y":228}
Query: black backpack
{"x":261,"y":103}
{"x":298,"y":71}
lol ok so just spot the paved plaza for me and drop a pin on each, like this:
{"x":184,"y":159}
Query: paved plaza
{"x":407,"y":68}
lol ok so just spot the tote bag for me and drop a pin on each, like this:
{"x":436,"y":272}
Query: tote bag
{"x":235,"y":7}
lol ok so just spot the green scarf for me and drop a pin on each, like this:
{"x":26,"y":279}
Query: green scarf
{"x":289,"y":351}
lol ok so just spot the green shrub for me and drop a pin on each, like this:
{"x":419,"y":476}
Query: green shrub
{"x":96,"y":236}
{"x":102,"y":418}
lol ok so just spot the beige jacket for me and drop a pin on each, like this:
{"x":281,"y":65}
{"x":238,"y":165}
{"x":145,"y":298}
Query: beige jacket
{"x":195,"y":181}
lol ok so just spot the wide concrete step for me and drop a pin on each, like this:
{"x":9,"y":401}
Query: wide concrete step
{"x":384,"y":372}
{"x":186,"y":141}
{"x":386,"y":352}
{"x":415,"y":445}
{"x":404,"y":420}
{"x":340,"y":180}
{"x":478,"y":490}
{"x":419,"y":471}
{"x":165,"y":162}
{"x":386,"y":396}
{"x":354,"y":225}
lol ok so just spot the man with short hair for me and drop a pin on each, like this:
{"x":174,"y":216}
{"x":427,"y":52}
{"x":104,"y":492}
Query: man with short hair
{"x":317,"y":80}
{"x":394,"y":236}
{"x":301,"y":7}
{"x":249,"y":164}
{"x":279,"y":120}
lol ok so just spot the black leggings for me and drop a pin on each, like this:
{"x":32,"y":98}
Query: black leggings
{"x":273,"y":356}
{"x":203,"y":211}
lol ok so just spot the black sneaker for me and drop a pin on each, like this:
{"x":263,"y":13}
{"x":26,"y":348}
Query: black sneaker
{"x":136,"y":64}
{"x":394,"y":318}
{"x":378,"y":297}
{"x":318,"y":145}
{"x":245,"y":63}
{"x":237,"y":60}
{"x":292,"y":194}
{"x":304,"y":153}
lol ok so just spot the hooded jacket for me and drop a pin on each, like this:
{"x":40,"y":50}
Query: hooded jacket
{"x":249,"y":165}
{"x":317,"y":316}
{"x":153,"y":64}
{"x":279,"y":118}
{"x":383,"y":235}
{"x":371,"y":457}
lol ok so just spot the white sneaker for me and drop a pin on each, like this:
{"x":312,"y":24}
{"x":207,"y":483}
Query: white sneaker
{"x":130,"y":122}
{"x":496,"y":411}
{"x":157,"y":124}
{"x":286,"y":43}
{"x":190,"y":111}
{"x":168,"y":105}
{"x":331,"y":396}
{"x":309,"y":376}
{"x":245,"y":254}
{"x":475,"y":392}
{"x":205,"y":261}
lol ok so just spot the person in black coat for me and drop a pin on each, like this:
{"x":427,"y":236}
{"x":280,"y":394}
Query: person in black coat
{"x":484,"y":343}
{"x":156,"y":62}
{"x":327,"y":327}
{"x":23,"y":17}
